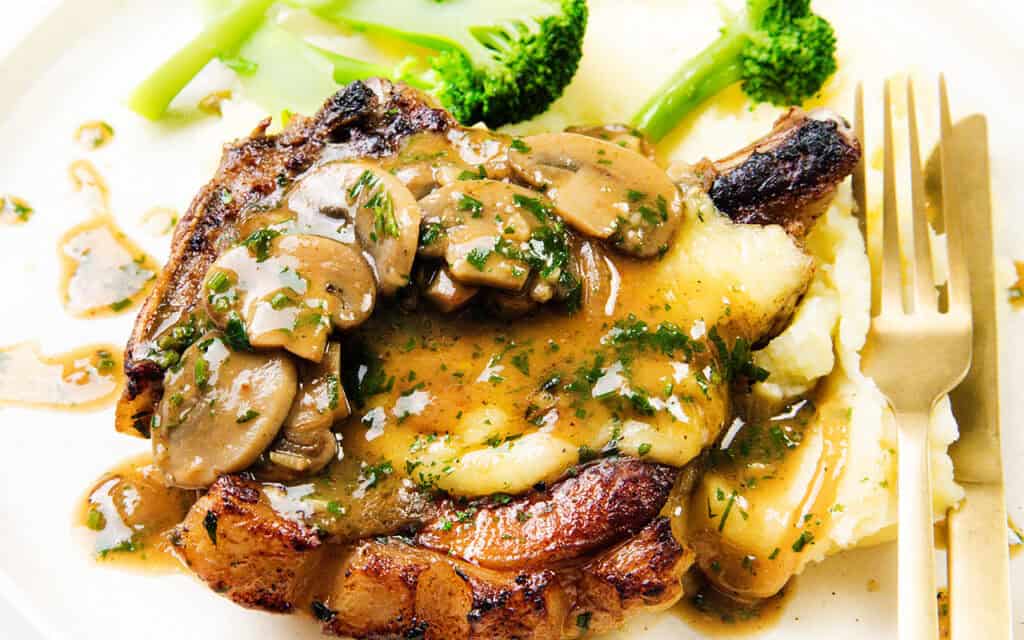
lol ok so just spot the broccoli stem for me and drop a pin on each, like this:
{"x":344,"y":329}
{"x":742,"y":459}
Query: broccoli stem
{"x":711,"y":71}
{"x":151,"y":98}
{"x":348,"y":69}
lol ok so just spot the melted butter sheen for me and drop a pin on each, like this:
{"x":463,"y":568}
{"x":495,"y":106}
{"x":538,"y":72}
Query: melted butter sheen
{"x":86,"y":378}
{"x":129,"y":514}
{"x":104,"y":272}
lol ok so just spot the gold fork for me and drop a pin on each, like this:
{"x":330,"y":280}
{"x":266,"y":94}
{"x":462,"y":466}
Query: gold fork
{"x":917,"y":349}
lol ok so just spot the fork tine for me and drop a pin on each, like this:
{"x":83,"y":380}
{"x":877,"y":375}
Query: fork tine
{"x":924,"y":296}
{"x":958,"y":293}
{"x":860,"y":172}
{"x":860,"y":195}
{"x":891,"y":294}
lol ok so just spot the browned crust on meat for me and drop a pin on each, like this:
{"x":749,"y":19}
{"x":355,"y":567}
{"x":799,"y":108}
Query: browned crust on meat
{"x":391,"y":589}
{"x":365,"y":119}
{"x":241,"y":547}
{"x":607,"y":501}
{"x":642,"y":573}
{"x":789,"y":176}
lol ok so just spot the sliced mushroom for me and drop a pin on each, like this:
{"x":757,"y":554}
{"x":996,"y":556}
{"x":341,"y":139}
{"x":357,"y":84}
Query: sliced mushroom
{"x":288,"y":291}
{"x":508,"y":306}
{"x":622,"y":135}
{"x":602,"y":189}
{"x":382,"y":210}
{"x":431,"y":160}
{"x":220,"y":409}
{"x":306,"y":443}
{"x":493,"y":233}
{"x":447,"y":293}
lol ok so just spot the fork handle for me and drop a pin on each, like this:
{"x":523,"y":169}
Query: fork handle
{"x":918,"y":614}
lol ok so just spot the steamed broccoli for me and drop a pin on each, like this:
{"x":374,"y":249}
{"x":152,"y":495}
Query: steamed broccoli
{"x":497,"y":62}
{"x":780,"y":50}
{"x":492,"y":62}
{"x":151,"y":98}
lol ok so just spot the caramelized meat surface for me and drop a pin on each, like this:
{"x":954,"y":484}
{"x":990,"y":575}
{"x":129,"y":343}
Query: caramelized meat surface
{"x":608,"y":500}
{"x":590,"y":546}
{"x":789,"y":176}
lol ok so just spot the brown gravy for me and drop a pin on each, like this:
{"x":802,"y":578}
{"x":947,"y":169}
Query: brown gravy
{"x":94,"y":134}
{"x":717,"y":615}
{"x":160,"y":221}
{"x":129,"y":514}
{"x":86,"y":178}
{"x":85,"y":378}
{"x":103,"y":271}
{"x":14,"y":210}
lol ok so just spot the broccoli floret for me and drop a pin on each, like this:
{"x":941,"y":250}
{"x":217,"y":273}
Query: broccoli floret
{"x":497,"y":63}
{"x":779,"y":50}
{"x":492,"y":62}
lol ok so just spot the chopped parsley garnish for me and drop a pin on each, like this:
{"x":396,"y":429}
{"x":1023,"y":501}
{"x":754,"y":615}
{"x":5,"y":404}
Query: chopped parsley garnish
{"x":644,"y":449}
{"x":739,"y":362}
{"x":521,"y":361}
{"x":105,"y":361}
{"x":96,"y":520}
{"x":218,"y":282}
{"x":280,"y":301}
{"x":258,"y":243}
{"x":333,"y":391}
{"x":121,"y":304}
{"x":519,"y":145}
{"x":430,"y":233}
{"x":376,"y":473}
{"x":202,"y":373}
{"x":366,"y":376}
{"x":235,"y":335}
{"x":480,"y":174}
{"x":478,"y":257}
{"x":384,"y":222}
{"x":471,"y":204}
{"x":728,"y":509}
{"x":247,"y":416}
{"x":534,"y":206}
{"x":806,"y":538}
{"x":23,"y":211}
{"x":364,"y":182}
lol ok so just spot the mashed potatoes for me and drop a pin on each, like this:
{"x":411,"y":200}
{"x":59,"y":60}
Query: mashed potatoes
{"x":824,"y":340}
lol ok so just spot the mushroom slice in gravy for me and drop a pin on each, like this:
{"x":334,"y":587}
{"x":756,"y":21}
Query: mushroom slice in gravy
{"x":493,"y":234}
{"x":446,"y":293}
{"x":288,"y":291}
{"x":306,"y":443}
{"x":603,"y":190}
{"x":383,"y":211}
{"x":220,"y":409}
{"x":619,"y":134}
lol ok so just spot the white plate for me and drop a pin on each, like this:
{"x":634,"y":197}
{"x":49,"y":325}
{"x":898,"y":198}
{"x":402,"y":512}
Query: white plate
{"x":80,"y":62}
